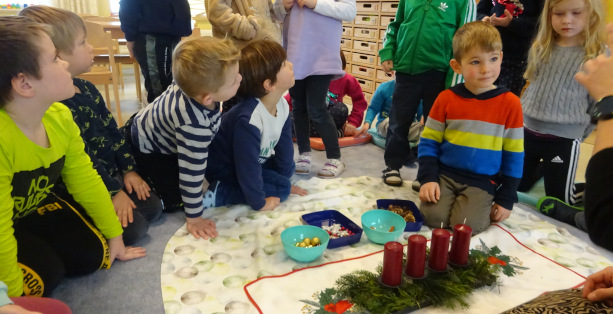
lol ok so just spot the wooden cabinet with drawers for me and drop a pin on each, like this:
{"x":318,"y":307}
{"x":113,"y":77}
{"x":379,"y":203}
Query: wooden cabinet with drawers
{"x":362,"y":40}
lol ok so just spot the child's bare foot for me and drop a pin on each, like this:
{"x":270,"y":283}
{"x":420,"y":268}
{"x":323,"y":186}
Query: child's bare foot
{"x":298,"y":190}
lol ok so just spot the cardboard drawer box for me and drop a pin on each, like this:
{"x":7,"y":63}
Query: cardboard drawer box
{"x":364,"y":19}
{"x":367,"y":7}
{"x":346,"y":43}
{"x":386,"y":20}
{"x":366,"y":85}
{"x":363,"y":71}
{"x":365,"y":46}
{"x":367,"y":33}
{"x":363,"y":58}
{"x":381,"y":75}
{"x":347,"y":31}
{"x":368,"y":97}
{"x":389,"y":7}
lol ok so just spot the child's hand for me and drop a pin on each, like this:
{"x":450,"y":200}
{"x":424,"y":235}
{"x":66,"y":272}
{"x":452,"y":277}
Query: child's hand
{"x":288,"y":4}
{"x":123,"y":207}
{"x":133,"y":182}
{"x":15,"y":309}
{"x":599,"y":286}
{"x":271,"y":203}
{"x":387,"y":66}
{"x":201,"y":228}
{"x":298,"y":190}
{"x":118,"y":250}
{"x":499,"y":213}
{"x":349,"y":129}
{"x":430,"y":192}
{"x":501,"y":21}
{"x":363,"y":129}
{"x":308,"y":3}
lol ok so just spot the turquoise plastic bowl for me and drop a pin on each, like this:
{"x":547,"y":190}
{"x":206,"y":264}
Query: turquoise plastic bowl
{"x":295,"y":234}
{"x":382,"y":220}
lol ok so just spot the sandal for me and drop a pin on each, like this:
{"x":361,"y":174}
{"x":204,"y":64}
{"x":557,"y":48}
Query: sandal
{"x":303,"y":165}
{"x":392,"y":177}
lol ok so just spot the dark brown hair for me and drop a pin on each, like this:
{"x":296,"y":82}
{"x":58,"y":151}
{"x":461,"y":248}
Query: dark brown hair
{"x":20,"y":53}
{"x":261,"y":60}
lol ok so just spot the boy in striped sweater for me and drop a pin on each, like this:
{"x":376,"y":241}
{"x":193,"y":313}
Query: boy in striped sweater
{"x":170,"y":137}
{"x":471,"y":150}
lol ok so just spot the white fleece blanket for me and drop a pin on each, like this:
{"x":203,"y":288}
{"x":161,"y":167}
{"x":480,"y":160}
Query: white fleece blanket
{"x":221,"y":275}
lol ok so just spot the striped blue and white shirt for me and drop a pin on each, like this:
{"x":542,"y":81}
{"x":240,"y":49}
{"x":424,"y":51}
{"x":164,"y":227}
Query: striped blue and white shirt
{"x":176,"y":124}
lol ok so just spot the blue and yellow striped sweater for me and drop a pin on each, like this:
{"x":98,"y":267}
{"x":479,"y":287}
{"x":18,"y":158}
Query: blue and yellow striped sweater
{"x":475,"y":140}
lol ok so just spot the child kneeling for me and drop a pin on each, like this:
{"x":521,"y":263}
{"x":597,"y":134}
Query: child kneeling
{"x":251,"y":159}
{"x":471,"y":150}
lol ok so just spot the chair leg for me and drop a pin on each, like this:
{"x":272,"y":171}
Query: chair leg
{"x":108,"y":96}
{"x":116,"y":94}
{"x":120,"y":68}
{"x":137,"y":81}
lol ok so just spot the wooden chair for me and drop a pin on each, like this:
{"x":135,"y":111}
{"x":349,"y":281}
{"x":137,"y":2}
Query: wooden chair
{"x":105,"y":69}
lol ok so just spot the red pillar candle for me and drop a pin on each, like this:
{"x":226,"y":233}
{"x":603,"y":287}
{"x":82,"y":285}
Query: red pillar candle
{"x":416,"y":256}
{"x":392,"y":264}
{"x":460,"y":244}
{"x":439,"y":248}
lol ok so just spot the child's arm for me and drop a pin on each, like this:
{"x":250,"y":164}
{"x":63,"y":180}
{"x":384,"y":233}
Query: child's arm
{"x":284,"y":150}
{"x":430,"y":142}
{"x":374,"y":109}
{"x":279,"y":9}
{"x":354,"y":90}
{"x":226,"y":21}
{"x":343,"y":10}
{"x":246,"y":146}
{"x":499,"y":213}
{"x":10,"y":272}
{"x":512,"y":162}
{"x":391,"y":36}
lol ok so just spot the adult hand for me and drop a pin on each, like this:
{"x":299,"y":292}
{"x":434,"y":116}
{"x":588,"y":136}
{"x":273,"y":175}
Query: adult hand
{"x":123,"y":207}
{"x":387,"y":66}
{"x":599,"y":286}
{"x":430,"y":192}
{"x":134,"y":182}
{"x":499,"y":213}
{"x":130,"y":45}
{"x":201,"y":228}
{"x":363,"y":129}
{"x":308,"y":3}
{"x":121,"y":252}
{"x":349,"y":129}
{"x":298,"y":190}
{"x":597,"y":74}
{"x":271,"y":203}
{"x":501,"y":21}
{"x":15,"y":309}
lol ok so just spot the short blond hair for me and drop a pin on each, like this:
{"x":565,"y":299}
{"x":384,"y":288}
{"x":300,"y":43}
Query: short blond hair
{"x":478,"y":34}
{"x":65,"y":25}
{"x":199,"y":65}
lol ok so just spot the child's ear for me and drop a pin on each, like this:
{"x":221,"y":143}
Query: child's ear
{"x":268,"y":85}
{"x":455,"y":66}
{"x":206,"y":100}
{"x":21,"y":86}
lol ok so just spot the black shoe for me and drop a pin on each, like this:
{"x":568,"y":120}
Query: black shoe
{"x":556,"y":209}
{"x":392,"y":177}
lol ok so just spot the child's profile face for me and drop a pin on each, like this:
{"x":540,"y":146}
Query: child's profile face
{"x":285,"y":77}
{"x":80,"y":61}
{"x":55,"y":83}
{"x":568,"y":20}
{"x":232,"y":81}
{"x":480,"y":69}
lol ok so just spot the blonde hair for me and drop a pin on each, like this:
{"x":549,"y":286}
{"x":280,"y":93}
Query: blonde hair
{"x":199,"y":65}
{"x":20,"y":53}
{"x":476,"y":34}
{"x":65,"y":24}
{"x":546,"y":37}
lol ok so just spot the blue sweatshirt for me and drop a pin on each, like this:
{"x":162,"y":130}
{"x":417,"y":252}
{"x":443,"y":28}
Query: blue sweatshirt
{"x":157,"y":17}
{"x":248,"y":137}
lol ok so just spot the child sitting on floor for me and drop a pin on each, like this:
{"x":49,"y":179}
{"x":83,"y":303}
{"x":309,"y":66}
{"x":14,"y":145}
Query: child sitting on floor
{"x":252,"y":156}
{"x":135,"y":205}
{"x":44,"y":237}
{"x":472,"y":140}
{"x":171,"y":136}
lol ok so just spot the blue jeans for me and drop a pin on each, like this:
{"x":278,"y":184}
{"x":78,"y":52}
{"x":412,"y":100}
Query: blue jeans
{"x":410,"y":90}
{"x":275,"y":184}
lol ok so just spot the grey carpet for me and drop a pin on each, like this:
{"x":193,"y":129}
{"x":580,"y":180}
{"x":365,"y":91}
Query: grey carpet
{"x":134,"y":286}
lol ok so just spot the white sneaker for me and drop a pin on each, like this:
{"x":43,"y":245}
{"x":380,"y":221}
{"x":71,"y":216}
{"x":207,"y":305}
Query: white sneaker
{"x":303,"y":165}
{"x":332,"y":169}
